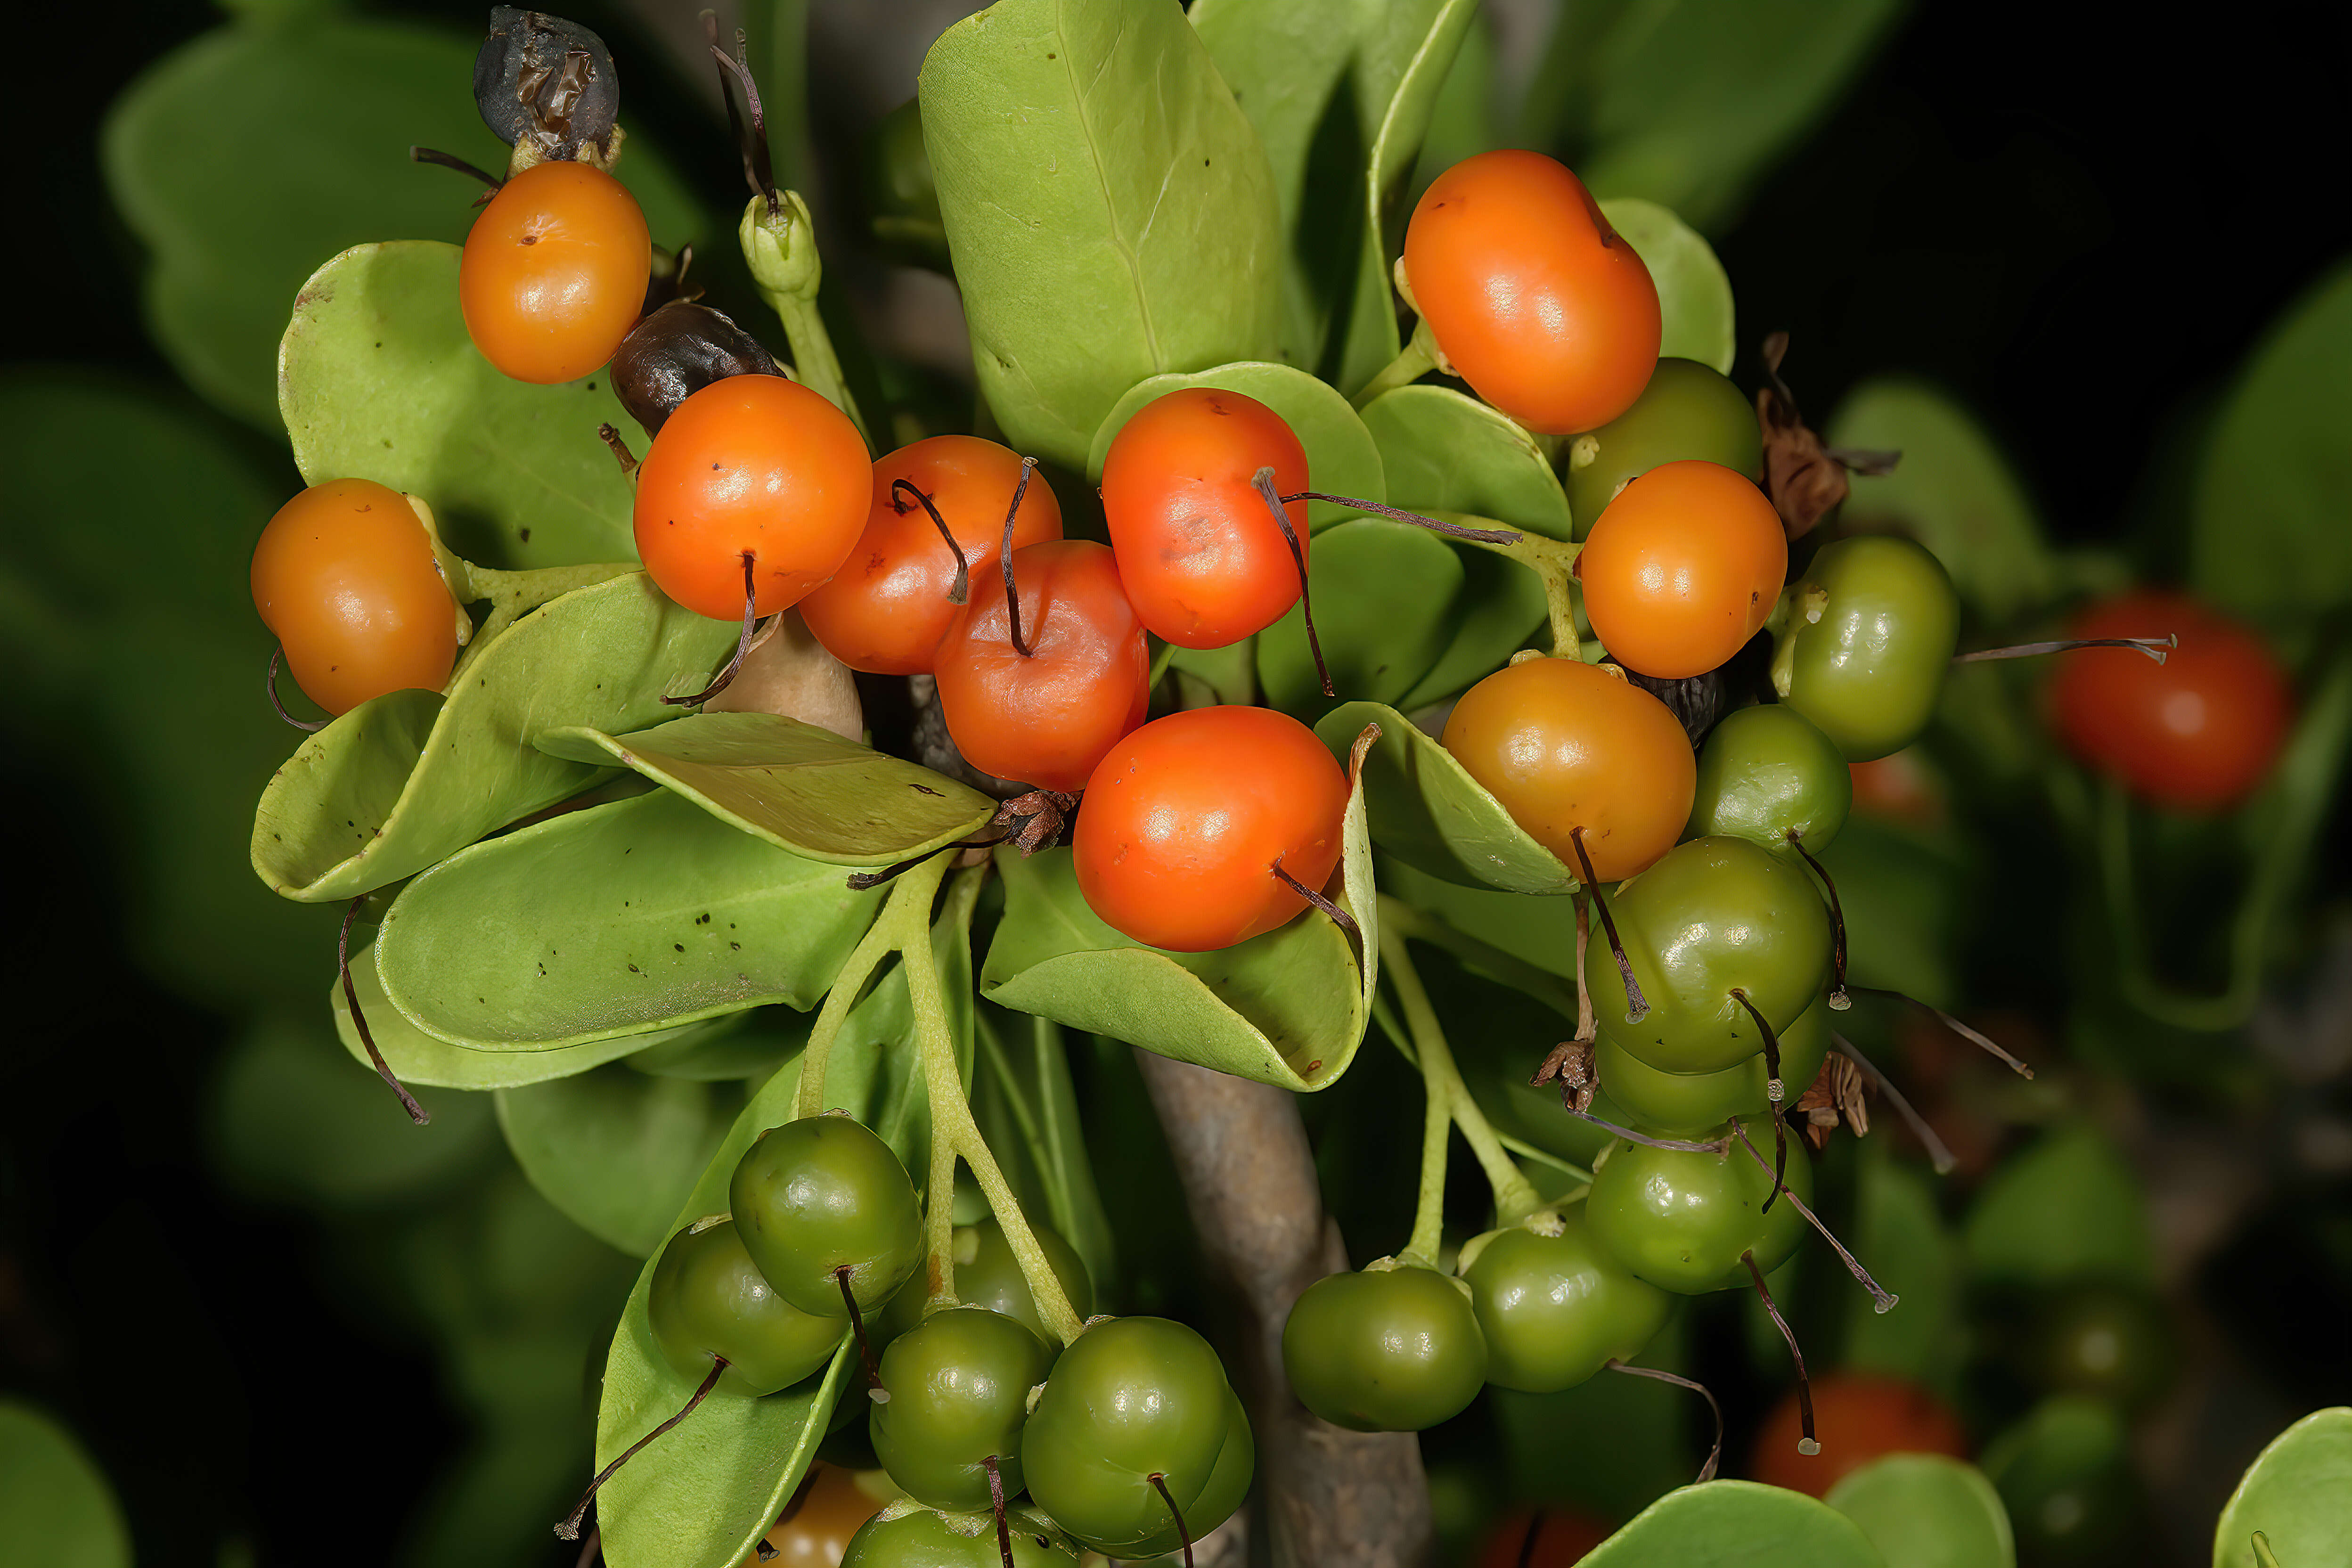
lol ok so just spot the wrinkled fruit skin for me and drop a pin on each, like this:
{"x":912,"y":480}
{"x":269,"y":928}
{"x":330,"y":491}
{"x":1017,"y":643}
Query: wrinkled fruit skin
{"x":1681,"y":1105}
{"x":1869,"y":670}
{"x":1688,"y":410}
{"x":2199,"y":732}
{"x":958,"y":1388}
{"x":1135,"y":1397}
{"x":821,"y":1193}
{"x":677,"y":351}
{"x":1395,"y":1350}
{"x":1563,"y":745}
{"x":1713,"y":915}
{"x":707,"y":1298}
{"x":1555,"y":1308}
{"x":922,"y":1538}
{"x":1768,"y":771}
{"x":1681,"y":1220}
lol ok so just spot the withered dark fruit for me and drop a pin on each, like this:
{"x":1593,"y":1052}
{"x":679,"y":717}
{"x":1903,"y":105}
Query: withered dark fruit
{"x":677,"y":351}
{"x":550,"y":80}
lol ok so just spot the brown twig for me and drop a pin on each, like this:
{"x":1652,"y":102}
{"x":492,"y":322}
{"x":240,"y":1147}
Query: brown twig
{"x":359,"y":1020}
{"x":569,"y":1530}
{"x":1264,"y":481}
{"x":742,"y":646}
{"x":276,"y":652}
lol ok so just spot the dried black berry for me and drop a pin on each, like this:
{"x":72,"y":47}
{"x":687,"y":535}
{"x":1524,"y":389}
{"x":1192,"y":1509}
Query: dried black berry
{"x":677,"y":351}
{"x":548,"y":79}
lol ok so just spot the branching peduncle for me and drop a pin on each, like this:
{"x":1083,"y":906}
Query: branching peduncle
{"x":953,"y":1125}
{"x":904,"y":924}
{"x":1515,"y":1196}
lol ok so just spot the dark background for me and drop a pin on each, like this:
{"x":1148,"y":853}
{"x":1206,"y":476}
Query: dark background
{"x":2077,"y":226}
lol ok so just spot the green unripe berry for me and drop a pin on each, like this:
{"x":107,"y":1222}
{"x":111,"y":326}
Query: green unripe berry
{"x":1679,"y":1105}
{"x":906,"y":1536}
{"x":988,"y":1275}
{"x":1133,"y":1399}
{"x":1686,"y":411}
{"x":1766,"y":772}
{"x":1865,"y":642}
{"x":1388,"y":1349}
{"x":1713,"y":916}
{"x":821,"y":1195}
{"x":1682,"y":1219}
{"x":958,"y":1389}
{"x":1555,"y":1308}
{"x":706,"y":1300}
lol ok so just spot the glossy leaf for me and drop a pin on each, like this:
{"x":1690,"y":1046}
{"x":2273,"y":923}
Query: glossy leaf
{"x":803,"y":789}
{"x":1898,"y":1228}
{"x":701,"y":1494}
{"x":1924,"y":1511}
{"x":640,"y":915}
{"x":1429,"y":813}
{"x":1383,"y":592}
{"x":617,"y":1151}
{"x":1287,"y":1008}
{"x":1737,"y":1524}
{"x":127,"y":627}
{"x":2266,"y":532}
{"x":2295,"y":1495}
{"x":1340,"y":457}
{"x":1494,"y":614}
{"x":1109,"y":208}
{"x":1954,"y":491}
{"x":1341,"y":95}
{"x":55,"y":1506}
{"x":399,"y":783}
{"x":245,"y":158}
{"x":1692,"y":103}
{"x":420,"y":1060}
{"x":291,"y":1119}
{"x":1446,"y":452}
{"x":2067,"y":1208}
{"x":377,"y":380}
{"x":1694,"y":290}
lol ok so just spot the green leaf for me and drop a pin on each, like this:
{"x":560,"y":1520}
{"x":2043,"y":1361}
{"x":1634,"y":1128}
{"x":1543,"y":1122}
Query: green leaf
{"x":1340,"y":457}
{"x":1494,"y":614}
{"x":702,"y":1493}
{"x":399,"y":783}
{"x":1110,"y":210}
{"x":245,"y":158}
{"x":418,"y":1059}
{"x":1694,"y":290}
{"x":1383,"y":592}
{"x":739,"y":1046}
{"x":1694,"y":103}
{"x":2065,"y":1474}
{"x":2295,"y":1495}
{"x":56,"y":1508}
{"x":619,"y":919}
{"x":2267,"y":515}
{"x":1287,"y":1008}
{"x":1924,"y":1511}
{"x":290,"y":1118}
{"x":1341,"y":96}
{"x":803,"y":789}
{"x":134,"y":656}
{"x":1954,"y":491}
{"x":617,"y":1150}
{"x":377,"y":380}
{"x":1737,"y":1524}
{"x":1427,"y":811}
{"x":1446,"y":452}
{"x":2067,"y":1208}
{"x":1899,"y":1230}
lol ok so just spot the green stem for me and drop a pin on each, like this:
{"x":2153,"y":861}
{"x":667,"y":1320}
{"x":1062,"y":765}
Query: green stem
{"x":1553,"y":560}
{"x":2264,"y":1556}
{"x":1408,"y":367}
{"x":1509,"y":968}
{"x":903,"y":926}
{"x":1515,"y":1196}
{"x":951,"y":1124}
{"x":813,"y":360}
{"x":779,"y":247}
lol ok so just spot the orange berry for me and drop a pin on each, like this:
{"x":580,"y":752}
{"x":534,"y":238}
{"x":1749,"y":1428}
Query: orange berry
{"x":554,"y":272}
{"x":1683,"y":568}
{"x":344,"y":575}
